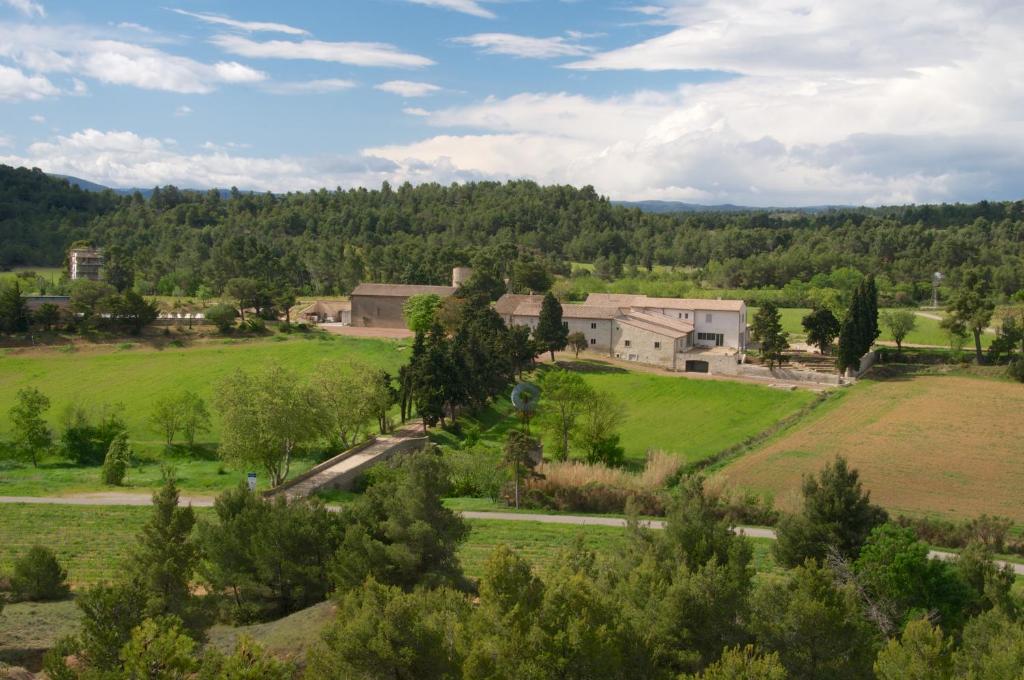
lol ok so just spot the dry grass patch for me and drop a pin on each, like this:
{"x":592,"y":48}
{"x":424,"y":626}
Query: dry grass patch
{"x":944,"y":446}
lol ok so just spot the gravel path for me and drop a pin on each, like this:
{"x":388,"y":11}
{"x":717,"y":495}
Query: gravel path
{"x":577,"y":520}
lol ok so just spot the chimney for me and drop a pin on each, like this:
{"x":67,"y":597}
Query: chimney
{"x":460,"y":275}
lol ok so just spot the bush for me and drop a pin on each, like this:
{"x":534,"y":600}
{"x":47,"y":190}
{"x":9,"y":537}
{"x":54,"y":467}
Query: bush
{"x":39,"y":577}
{"x":1016,"y":369}
{"x":992,"y":532}
{"x":254,"y":324}
{"x":223,"y":316}
{"x":115,"y":465}
{"x":87,"y":437}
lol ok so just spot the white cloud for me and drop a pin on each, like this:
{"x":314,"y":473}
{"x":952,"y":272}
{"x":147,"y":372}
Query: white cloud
{"x":354,"y":53}
{"x":407,"y":88}
{"x":311,"y":86}
{"x":525,"y":46}
{"x":126,"y":159}
{"x":27,"y":7}
{"x":15,"y":85}
{"x":264,"y":26}
{"x":132,"y":26}
{"x":80,"y":52}
{"x":465,"y":6}
{"x":836,"y":102}
{"x":182,"y":110}
{"x":36,"y":118}
{"x":416,"y":111}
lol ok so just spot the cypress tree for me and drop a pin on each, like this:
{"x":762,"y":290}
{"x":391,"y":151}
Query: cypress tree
{"x":550,"y":333}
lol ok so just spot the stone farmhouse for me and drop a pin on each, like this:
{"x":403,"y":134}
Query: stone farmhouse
{"x":379,"y":305}
{"x":703,"y":336}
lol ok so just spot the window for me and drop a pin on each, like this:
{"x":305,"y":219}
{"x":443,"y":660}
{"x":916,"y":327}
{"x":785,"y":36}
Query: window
{"x":593,"y":341}
{"x":716,"y":338}
{"x":707,"y":318}
{"x":565,"y":325}
{"x":680,"y":315}
{"x":657,"y":345}
{"x":627,"y":343}
{"x":686,"y":316}
{"x":593,"y":324}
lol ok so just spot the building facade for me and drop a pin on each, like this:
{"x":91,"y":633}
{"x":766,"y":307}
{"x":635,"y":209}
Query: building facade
{"x":85,"y":263}
{"x":671,"y":333}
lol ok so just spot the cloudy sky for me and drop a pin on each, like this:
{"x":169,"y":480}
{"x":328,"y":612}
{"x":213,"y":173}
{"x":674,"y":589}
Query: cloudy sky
{"x":756,"y":102}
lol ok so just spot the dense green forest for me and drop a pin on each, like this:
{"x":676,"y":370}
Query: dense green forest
{"x":324,"y":242}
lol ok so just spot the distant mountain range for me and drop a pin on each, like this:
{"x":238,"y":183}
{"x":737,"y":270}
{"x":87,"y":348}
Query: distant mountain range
{"x":86,"y":185}
{"x":646,"y":206}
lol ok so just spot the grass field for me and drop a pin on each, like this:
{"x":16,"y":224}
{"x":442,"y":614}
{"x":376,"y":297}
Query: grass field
{"x":51,"y":274}
{"x":945,"y":446}
{"x":137,"y":377}
{"x":693,"y":418}
{"x":926,"y":332}
{"x":689,"y":417}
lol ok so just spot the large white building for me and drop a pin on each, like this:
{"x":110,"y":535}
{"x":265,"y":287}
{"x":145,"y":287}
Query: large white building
{"x":676,"y":334}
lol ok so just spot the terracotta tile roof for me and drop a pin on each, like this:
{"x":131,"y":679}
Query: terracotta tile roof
{"x":508,"y":302}
{"x":400,"y":290}
{"x":642,"y":301}
{"x":614,"y":299}
{"x":658,"y":328}
{"x":583,"y":311}
{"x":675,"y":325}
{"x":696,"y":304}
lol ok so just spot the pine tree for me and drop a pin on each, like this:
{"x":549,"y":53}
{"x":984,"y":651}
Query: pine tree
{"x":767,"y":330}
{"x":550,"y":333}
{"x":14,"y":315}
{"x":166,"y":555}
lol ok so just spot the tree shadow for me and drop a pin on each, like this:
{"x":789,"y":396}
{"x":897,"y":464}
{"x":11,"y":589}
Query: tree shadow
{"x":198,"y":451}
{"x":590,"y":366}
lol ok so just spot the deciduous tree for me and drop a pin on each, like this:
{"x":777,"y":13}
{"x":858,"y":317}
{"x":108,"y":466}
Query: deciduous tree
{"x":265,"y":415}
{"x":566,"y":396}
{"x":901,"y":323}
{"x":32,"y":436}
{"x":971,"y":308}
{"x":822,"y":328}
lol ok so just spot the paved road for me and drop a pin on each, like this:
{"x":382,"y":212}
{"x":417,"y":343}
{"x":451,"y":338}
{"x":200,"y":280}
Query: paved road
{"x":577,"y":520}
{"x":752,"y":532}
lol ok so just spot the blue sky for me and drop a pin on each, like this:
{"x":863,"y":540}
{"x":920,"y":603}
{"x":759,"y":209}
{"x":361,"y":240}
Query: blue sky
{"x":760,"y":102}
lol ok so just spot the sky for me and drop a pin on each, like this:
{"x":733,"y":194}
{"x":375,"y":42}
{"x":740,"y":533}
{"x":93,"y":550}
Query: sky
{"x":752,"y":102}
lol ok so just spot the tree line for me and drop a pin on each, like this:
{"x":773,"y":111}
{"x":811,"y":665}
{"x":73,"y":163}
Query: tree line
{"x":326,"y":242}
{"x":860,"y":596}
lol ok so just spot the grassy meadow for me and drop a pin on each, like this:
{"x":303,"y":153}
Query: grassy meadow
{"x":136,"y":376}
{"x":947,"y":446}
{"x":692,"y":418}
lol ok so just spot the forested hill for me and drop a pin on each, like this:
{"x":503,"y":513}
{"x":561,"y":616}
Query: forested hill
{"x":40,"y":215}
{"x":327,"y":241}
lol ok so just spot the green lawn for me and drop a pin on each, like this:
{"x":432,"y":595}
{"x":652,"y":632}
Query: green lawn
{"x":926,"y":332}
{"x":51,"y":274}
{"x":690,"y":417}
{"x":137,"y":377}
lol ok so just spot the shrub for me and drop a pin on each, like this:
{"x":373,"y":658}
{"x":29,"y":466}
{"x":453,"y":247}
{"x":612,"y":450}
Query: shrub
{"x":87,"y":436}
{"x":1016,"y":369}
{"x":223,"y":316}
{"x":115,"y":465}
{"x":584,"y":487}
{"x":254,"y":324}
{"x":39,"y":577}
{"x":990,"y":531}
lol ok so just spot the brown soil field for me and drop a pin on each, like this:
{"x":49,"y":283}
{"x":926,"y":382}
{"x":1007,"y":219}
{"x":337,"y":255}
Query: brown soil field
{"x":942,"y":446}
